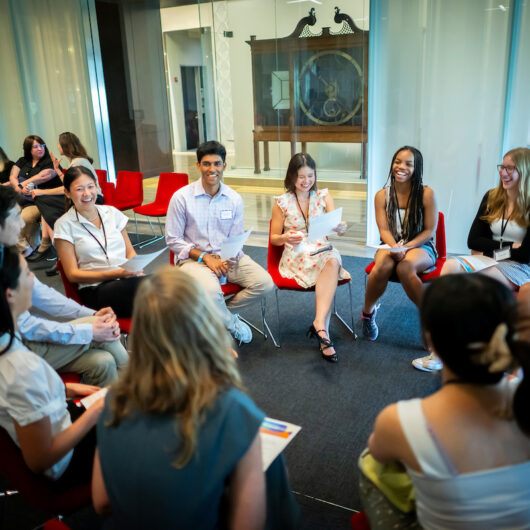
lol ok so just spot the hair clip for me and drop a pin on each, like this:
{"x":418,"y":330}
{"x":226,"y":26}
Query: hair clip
{"x":496,"y":353}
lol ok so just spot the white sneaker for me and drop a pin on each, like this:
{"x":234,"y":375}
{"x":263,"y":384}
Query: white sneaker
{"x":431,"y":363}
{"x":241,"y":331}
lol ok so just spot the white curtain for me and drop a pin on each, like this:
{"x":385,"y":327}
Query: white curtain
{"x":45,"y":83}
{"x":438,"y":77}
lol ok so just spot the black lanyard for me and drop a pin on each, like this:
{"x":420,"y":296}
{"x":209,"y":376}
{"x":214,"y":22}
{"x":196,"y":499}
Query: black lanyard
{"x":103,"y":248}
{"x":504,"y":224}
{"x":301,"y":211}
{"x":401,"y":221}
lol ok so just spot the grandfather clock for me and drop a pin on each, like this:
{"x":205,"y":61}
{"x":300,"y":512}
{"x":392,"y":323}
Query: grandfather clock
{"x":310,"y":88}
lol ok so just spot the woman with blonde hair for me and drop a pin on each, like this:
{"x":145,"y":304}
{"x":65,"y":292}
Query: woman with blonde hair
{"x":500,"y":229}
{"x":181,"y":393}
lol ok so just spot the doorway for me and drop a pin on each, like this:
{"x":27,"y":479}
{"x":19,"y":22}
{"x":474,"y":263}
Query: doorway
{"x":193,"y":97}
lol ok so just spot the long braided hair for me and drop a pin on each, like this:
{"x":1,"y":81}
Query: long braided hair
{"x":413,"y":222}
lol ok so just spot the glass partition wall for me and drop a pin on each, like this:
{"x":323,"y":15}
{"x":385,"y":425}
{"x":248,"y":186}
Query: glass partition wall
{"x":268,"y":80}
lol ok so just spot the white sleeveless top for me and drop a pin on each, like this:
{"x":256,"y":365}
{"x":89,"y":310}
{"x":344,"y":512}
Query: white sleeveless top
{"x":495,"y":498}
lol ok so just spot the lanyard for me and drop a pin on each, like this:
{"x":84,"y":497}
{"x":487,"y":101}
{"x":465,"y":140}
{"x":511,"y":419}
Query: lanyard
{"x":504,"y":224}
{"x":401,"y":221}
{"x":103,"y":248}
{"x":301,"y":211}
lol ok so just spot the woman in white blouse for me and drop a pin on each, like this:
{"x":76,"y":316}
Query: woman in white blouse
{"x":33,"y":408}
{"x":92,"y":242}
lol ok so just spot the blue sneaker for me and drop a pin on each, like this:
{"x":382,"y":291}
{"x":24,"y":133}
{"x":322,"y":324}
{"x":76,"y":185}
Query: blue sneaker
{"x":370,"y":329}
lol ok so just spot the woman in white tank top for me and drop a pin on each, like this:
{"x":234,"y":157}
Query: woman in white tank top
{"x":466,"y":447}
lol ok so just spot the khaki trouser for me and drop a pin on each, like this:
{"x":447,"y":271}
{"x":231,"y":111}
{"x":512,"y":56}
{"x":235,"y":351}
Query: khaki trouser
{"x":98,"y":363}
{"x":254,"y":279}
{"x":30,"y":234}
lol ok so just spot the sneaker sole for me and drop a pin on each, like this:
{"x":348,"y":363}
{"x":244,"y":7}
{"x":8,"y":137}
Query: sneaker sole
{"x":422,"y":368}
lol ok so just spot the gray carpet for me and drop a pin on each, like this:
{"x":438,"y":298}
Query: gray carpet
{"x":335,"y":404}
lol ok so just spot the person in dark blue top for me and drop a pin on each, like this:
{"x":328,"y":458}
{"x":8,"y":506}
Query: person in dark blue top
{"x":178,"y":440}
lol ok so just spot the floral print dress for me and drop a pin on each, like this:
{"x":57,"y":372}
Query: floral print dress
{"x":300,"y":266}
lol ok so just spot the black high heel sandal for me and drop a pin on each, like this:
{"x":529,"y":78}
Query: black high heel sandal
{"x":322,"y":341}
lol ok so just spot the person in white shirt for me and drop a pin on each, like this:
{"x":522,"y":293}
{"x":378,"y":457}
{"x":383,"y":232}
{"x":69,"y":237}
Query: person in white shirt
{"x":92,"y":242}
{"x":33,"y":408}
{"x":200,"y":217}
{"x":74,"y":151}
{"x":89,"y":344}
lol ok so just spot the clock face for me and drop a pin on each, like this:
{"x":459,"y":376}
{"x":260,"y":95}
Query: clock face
{"x":330,"y":89}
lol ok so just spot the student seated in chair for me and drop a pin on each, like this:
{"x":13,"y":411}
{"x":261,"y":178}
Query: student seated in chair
{"x":406,"y":215}
{"x":89,"y":344}
{"x":33,"y":408}
{"x":200,"y":217}
{"x":92,"y":242}
{"x":291,"y":214}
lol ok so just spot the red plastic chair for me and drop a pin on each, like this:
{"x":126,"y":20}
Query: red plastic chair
{"x":127,"y":193}
{"x":274,"y":255}
{"x":168,"y":184}
{"x":359,"y":521}
{"x":36,"y":489}
{"x":440,"y":248}
{"x":102,"y":179}
{"x":72,"y":291}
{"x":231,"y":289}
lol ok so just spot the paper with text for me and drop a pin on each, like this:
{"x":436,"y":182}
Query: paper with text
{"x":275,"y":436}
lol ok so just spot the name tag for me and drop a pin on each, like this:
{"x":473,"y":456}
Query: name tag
{"x":502,"y":253}
{"x":226,"y":214}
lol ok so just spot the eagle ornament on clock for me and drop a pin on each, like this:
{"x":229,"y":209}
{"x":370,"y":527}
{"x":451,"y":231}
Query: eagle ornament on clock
{"x":310,"y":87}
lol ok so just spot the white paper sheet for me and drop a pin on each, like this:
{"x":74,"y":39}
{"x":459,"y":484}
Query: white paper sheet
{"x":140,"y":261}
{"x":88,"y":401}
{"x":232,"y":246}
{"x":275,"y":436}
{"x":476,"y":262}
{"x":323,"y":225}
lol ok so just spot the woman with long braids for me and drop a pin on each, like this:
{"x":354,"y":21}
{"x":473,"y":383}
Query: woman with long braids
{"x":406,"y":215}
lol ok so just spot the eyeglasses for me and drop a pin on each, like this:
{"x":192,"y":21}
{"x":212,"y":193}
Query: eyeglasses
{"x":508,"y":169}
{"x":38,"y":146}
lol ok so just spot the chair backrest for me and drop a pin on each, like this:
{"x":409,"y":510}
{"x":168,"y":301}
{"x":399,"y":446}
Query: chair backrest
{"x":274,"y":255}
{"x":168,"y":184}
{"x":440,"y":237}
{"x":102,"y":177}
{"x":107,"y":188}
{"x":36,"y":489}
{"x":129,"y":191}
{"x":71,"y":290}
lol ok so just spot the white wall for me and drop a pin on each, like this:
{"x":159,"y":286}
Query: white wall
{"x":438,"y":82}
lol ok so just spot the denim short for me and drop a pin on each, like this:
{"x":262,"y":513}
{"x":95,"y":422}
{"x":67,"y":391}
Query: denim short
{"x":431,"y":250}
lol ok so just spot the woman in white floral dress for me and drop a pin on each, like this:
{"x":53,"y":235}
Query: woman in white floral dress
{"x":291,"y":215}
